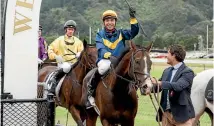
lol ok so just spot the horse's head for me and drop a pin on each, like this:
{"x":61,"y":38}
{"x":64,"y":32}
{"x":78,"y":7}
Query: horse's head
{"x":139,"y":68}
{"x":88,"y":56}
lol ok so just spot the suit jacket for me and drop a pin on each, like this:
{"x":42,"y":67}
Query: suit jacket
{"x":179,"y":93}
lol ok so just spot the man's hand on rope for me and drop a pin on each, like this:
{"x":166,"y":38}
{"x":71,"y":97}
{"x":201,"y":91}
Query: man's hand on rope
{"x":155,"y":81}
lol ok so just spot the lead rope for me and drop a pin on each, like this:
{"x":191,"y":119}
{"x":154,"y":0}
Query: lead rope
{"x":157,"y":99}
{"x":67,"y":119}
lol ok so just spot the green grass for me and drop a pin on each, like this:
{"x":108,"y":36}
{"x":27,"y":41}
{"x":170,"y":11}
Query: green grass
{"x":146,"y":112}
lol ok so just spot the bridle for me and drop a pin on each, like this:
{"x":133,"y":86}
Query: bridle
{"x":133,"y":72}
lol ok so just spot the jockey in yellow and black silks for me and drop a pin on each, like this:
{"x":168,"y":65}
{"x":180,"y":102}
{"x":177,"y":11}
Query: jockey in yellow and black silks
{"x":110,"y":42}
{"x":59,"y":50}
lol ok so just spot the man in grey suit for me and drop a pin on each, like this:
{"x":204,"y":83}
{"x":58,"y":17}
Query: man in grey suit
{"x":175,"y":83}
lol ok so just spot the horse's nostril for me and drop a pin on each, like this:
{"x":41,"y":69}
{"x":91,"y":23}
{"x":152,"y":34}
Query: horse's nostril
{"x":145,"y":86}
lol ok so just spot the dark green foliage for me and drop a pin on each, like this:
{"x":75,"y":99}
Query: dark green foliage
{"x":164,"y":21}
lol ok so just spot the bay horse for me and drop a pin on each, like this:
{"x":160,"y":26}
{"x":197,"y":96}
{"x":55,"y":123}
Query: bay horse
{"x":116,"y":95}
{"x":200,"y":103}
{"x":71,"y":89}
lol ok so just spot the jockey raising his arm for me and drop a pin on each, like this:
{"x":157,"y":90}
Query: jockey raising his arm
{"x":59,"y":50}
{"x":42,"y":47}
{"x":110,"y":43}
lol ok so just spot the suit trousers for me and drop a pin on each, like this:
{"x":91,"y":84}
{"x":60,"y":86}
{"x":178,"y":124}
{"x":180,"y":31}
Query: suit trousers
{"x":168,"y":120}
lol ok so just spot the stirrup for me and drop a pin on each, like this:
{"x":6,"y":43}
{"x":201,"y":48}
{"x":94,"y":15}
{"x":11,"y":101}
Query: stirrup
{"x":90,"y":102}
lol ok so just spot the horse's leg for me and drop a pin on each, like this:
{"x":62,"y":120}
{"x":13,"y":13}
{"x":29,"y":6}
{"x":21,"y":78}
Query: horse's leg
{"x":198,"y":103}
{"x":76,"y":115}
{"x":129,"y":122}
{"x":197,"y":117}
{"x":209,"y":111}
{"x":91,"y":118}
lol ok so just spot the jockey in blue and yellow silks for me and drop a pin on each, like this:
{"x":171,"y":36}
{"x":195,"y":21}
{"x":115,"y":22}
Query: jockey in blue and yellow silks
{"x":110,"y":43}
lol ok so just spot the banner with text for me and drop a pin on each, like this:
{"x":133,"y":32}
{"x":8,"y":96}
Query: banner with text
{"x":21,"y":48}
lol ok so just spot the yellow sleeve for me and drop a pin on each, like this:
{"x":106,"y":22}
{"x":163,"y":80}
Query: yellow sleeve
{"x":133,"y":21}
{"x":53,"y":49}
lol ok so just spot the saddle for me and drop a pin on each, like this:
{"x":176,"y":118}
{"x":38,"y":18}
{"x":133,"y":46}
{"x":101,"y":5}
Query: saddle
{"x":209,"y":90}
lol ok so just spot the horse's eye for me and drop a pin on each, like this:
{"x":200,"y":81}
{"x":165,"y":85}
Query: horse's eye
{"x":145,"y":86}
{"x":137,"y":61}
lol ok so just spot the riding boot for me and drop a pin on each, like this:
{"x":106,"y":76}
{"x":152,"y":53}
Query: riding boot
{"x":91,"y":90}
{"x":55,"y":77}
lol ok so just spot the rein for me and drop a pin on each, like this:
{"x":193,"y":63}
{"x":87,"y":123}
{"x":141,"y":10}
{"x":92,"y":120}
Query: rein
{"x":134,"y":72}
{"x":157,"y":100}
{"x":134,"y":82}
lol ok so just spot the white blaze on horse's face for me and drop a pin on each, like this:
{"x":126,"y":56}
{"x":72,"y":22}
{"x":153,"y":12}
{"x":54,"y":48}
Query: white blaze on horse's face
{"x":147,"y":81}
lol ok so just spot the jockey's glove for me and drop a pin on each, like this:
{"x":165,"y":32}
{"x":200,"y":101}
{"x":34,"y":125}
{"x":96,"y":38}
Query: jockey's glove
{"x":44,"y":59}
{"x":132,"y":12}
{"x":78,"y":54}
{"x":40,"y":61}
{"x":59,"y":59}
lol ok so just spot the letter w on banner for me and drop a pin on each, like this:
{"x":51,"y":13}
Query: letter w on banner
{"x":21,"y":48}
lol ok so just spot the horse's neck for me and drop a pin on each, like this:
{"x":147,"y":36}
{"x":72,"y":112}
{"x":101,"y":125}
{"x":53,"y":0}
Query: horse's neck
{"x":122,"y":71}
{"x":120,"y":87}
{"x":80,"y":72}
{"x":123,"y":66}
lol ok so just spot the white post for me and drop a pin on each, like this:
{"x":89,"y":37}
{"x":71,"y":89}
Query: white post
{"x":207,"y":39}
{"x":213,"y":30}
{"x":98,"y":30}
{"x":213,"y":27}
{"x":89,"y":35}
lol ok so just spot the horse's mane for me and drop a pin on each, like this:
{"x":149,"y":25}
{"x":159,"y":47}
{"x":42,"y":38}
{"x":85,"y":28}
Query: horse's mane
{"x":76,"y":63}
{"x":126,"y":50}
{"x":91,"y":45}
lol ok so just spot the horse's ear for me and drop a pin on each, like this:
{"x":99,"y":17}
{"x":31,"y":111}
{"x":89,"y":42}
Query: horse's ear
{"x":84,"y":43}
{"x":132,"y":45}
{"x":149,"y":48}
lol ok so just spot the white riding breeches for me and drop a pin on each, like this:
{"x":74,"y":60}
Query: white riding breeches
{"x":103,"y":66}
{"x":65,"y":66}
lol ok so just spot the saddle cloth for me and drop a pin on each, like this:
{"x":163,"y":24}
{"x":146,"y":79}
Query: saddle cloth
{"x":58,"y":87}
{"x":209,"y":90}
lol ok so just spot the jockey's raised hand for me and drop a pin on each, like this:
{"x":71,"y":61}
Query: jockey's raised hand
{"x":132,"y":12}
